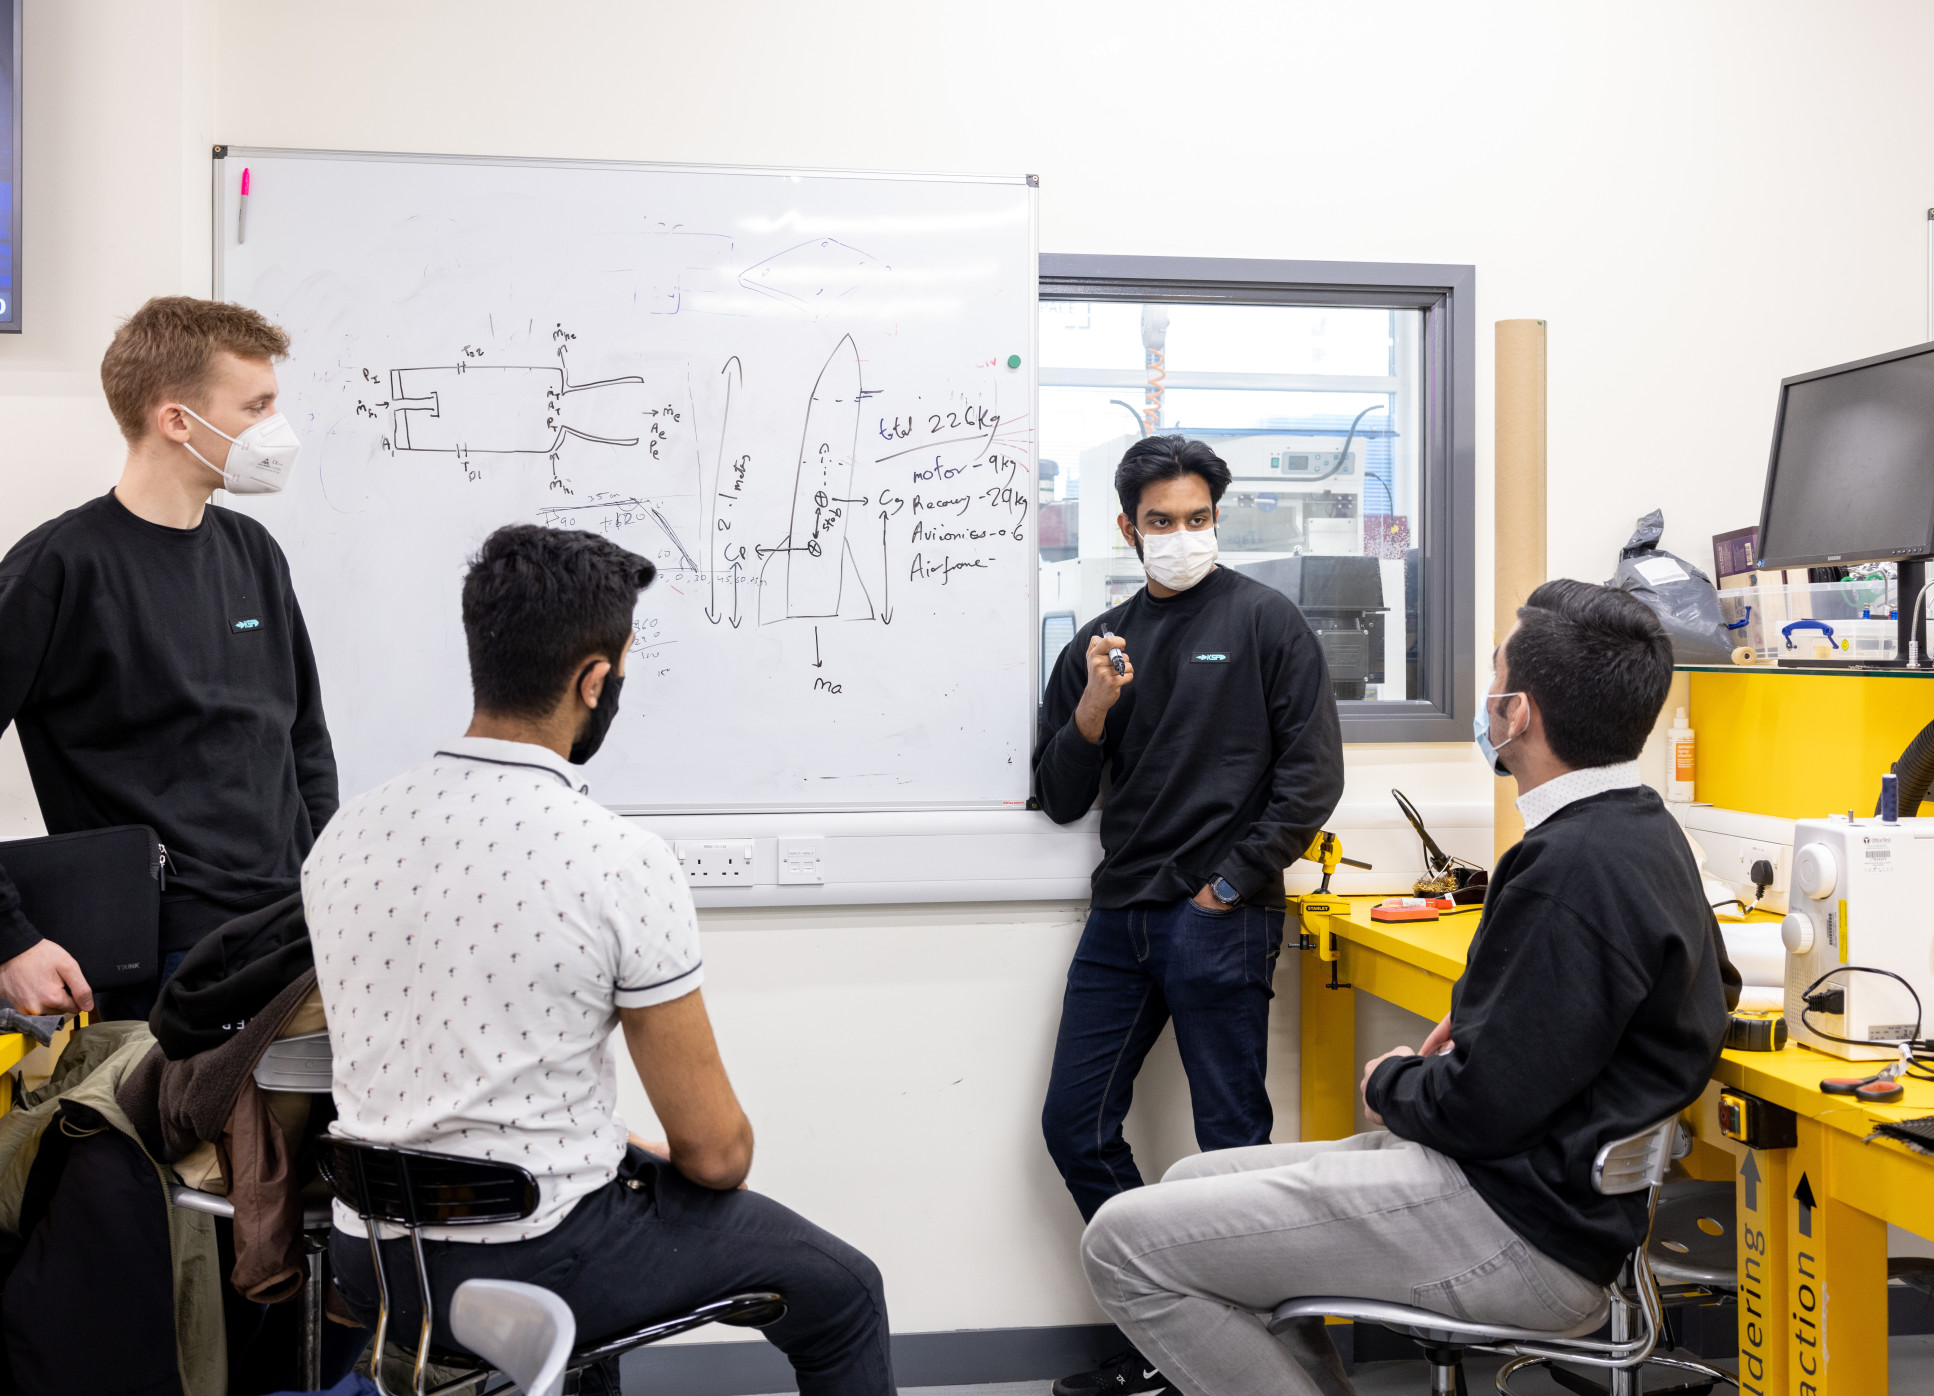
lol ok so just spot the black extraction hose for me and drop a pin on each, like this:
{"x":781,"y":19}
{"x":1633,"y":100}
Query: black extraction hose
{"x":1914,"y":772}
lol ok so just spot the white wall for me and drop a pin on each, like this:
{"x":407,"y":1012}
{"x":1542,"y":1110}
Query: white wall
{"x":1699,"y":197}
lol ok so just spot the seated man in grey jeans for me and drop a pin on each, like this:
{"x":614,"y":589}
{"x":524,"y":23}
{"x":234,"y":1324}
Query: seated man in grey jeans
{"x":1593,"y":1005}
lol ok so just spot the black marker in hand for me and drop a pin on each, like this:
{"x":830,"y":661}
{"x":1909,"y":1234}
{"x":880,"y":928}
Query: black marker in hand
{"x":1109,"y":671}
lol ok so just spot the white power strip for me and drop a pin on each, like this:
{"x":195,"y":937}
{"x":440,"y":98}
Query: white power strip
{"x":725,"y":863}
{"x":1734,"y":840}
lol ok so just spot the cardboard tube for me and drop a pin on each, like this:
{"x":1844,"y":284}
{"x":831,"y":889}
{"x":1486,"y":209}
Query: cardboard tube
{"x":1519,"y":501}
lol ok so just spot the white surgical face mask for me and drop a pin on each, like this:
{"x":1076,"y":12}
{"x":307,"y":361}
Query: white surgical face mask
{"x":1481,"y":729}
{"x":1180,"y":559}
{"x":259,"y":460}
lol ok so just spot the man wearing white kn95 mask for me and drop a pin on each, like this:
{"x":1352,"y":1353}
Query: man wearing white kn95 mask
{"x":1205,"y":701}
{"x":153,"y":656}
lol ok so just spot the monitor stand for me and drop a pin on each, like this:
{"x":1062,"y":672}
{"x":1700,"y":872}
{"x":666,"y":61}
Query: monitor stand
{"x":1907,"y":593}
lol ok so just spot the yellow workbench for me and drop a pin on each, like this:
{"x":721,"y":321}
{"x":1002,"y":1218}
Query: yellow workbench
{"x":1813,"y":1278}
{"x":14,"y":1047}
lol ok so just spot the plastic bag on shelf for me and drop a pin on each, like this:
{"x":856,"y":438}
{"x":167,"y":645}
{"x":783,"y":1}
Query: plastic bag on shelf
{"x":1682,"y":596}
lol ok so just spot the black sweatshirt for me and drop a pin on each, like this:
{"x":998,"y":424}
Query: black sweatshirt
{"x":1224,"y":755}
{"x":1592,"y":1006}
{"x":163,"y":676}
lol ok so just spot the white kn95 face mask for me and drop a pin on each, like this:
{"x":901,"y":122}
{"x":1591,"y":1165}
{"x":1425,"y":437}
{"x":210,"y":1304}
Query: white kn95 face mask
{"x":259,"y":460}
{"x":1180,"y":559}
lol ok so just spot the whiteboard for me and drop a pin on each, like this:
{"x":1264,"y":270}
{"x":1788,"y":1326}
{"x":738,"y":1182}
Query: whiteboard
{"x":808,"y":397}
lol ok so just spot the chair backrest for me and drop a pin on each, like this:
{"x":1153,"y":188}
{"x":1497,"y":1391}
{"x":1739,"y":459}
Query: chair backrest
{"x":1638,"y":1161}
{"x":300,"y":1064}
{"x":413,"y":1187}
{"x":524,"y":1331}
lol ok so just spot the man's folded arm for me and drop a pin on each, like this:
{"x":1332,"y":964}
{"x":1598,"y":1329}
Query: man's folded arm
{"x":1554,"y":1001}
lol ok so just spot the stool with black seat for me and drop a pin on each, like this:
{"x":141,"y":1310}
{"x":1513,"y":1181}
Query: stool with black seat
{"x":414,"y":1188}
{"x":301,"y":1065}
{"x":1634,"y":1164}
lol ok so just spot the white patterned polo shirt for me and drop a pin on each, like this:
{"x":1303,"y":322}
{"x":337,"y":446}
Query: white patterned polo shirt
{"x":478,"y":923}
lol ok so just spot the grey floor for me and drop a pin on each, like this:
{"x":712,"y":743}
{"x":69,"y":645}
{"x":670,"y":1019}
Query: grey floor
{"x":1910,"y":1362}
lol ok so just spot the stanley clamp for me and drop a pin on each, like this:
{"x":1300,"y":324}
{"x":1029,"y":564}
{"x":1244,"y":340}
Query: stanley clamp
{"x":1314,"y":909}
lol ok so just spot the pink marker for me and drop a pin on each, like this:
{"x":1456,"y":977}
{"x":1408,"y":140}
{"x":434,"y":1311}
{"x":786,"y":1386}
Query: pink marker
{"x":241,"y":217}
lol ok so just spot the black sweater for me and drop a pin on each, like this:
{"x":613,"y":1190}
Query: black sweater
{"x":1224,"y":755}
{"x":1592,"y":1006}
{"x":163,"y":676}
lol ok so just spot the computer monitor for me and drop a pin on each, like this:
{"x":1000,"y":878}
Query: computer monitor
{"x":1852,"y":473}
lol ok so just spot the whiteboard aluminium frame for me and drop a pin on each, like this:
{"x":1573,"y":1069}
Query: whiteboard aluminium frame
{"x":905,"y":854}
{"x":221,"y":216}
{"x":219,"y":211}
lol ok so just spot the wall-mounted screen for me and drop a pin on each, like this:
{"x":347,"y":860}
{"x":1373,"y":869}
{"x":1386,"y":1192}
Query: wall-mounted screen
{"x":10,"y":167}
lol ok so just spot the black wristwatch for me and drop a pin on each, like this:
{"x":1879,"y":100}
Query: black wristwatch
{"x":1225,"y":893}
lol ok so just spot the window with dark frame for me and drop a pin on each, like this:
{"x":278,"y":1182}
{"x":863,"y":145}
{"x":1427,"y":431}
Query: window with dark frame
{"x":1341,"y":395}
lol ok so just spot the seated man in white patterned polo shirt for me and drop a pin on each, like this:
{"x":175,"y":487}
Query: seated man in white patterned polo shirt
{"x":481,"y":926}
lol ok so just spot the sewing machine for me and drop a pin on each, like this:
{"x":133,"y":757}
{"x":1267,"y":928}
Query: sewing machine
{"x":1862,"y":894}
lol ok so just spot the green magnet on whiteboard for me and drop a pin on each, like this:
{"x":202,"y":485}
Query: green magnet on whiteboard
{"x":1013,"y":360}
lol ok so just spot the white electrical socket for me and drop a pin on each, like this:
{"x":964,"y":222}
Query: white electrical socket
{"x":1733,"y":840}
{"x":1752,"y":852}
{"x":724,"y":863}
{"x":802,"y":861}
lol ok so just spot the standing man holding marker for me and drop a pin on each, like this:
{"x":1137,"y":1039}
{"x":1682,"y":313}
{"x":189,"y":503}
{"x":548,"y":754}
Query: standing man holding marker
{"x":1205,"y":701}
{"x":153,"y":655}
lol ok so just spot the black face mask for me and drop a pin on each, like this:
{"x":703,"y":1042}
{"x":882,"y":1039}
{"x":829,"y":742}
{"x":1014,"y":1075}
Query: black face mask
{"x":598,"y":721}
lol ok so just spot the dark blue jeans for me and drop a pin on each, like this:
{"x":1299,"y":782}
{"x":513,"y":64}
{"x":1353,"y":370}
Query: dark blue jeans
{"x":1136,"y":968}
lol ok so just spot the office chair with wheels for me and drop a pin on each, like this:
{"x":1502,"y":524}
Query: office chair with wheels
{"x":301,"y":1065}
{"x":412,"y":1189}
{"x":1633,"y":1164}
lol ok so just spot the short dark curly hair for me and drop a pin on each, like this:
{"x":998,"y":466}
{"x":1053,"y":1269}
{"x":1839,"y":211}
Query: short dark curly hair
{"x":1597,"y":663}
{"x":1167,"y":458}
{"x":536,"y":603}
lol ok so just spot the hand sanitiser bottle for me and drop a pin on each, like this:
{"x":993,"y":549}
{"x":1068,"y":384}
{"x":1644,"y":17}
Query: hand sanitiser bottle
{"x":1678,"y":785}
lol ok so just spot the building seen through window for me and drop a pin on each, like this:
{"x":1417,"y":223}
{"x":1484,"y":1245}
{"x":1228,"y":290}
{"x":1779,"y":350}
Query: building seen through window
{"x":1318,"y":412}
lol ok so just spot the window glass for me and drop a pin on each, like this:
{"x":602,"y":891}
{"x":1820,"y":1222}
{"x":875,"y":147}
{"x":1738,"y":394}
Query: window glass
{"x":1318,"y":412}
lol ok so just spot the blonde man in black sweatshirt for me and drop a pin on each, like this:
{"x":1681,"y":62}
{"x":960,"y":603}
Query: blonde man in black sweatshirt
{"x":1593,"y":1005}
{"x":152,"y":653}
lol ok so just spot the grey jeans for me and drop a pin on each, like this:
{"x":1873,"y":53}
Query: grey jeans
{"x":1191,"y":1268}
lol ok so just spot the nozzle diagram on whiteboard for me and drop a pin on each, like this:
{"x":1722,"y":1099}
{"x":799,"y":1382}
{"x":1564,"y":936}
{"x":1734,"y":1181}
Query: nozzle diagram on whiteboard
{"x":468,"y":409}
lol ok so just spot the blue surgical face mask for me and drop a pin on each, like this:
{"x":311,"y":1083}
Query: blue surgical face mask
{"x":1481,"y":730}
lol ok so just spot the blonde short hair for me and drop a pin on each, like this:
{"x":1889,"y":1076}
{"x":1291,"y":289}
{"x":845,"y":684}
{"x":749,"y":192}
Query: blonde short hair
{"x":167,"y":349}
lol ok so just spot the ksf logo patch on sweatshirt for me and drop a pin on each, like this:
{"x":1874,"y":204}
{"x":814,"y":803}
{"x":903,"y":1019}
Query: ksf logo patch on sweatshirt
{"x":1209,"y":659}
{"x":244,"y":627}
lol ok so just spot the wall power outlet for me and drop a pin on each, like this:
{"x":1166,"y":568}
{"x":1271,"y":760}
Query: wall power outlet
{"x":720,"y":863}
